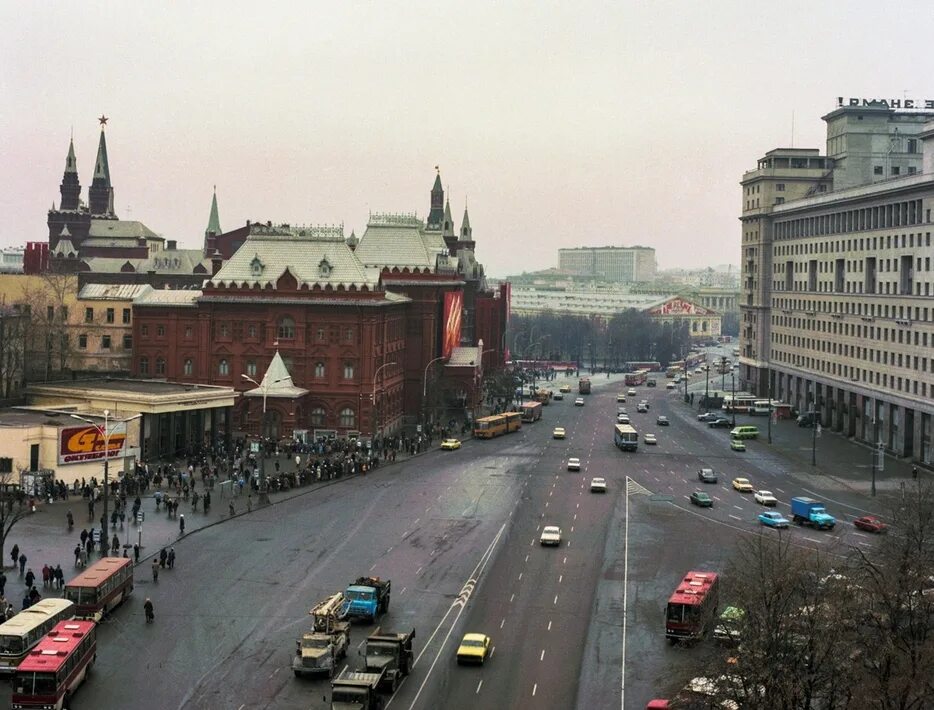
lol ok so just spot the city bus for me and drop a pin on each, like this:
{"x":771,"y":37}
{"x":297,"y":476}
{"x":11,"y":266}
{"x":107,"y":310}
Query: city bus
{"x":634,"y":379}
{"x":650,"y":365}
{"x":101,"y":587}
{"x":50,"y":674}
{"x":739,"y":403}
{"x":497,"y":424}
{"x":531,"y":412}
{"x":26,"y":629}
{"x":692,"y":607}
{"x":626,"y":438}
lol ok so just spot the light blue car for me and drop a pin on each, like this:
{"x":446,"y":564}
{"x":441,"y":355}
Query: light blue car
{"x":773,"y":520}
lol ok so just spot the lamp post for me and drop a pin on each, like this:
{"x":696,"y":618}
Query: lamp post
{"x":479,"y":366}
{"x":425,"y":384}
{"x":733,"y":407}
{"x":815,"y":412}
{"x":375,"y":375}
{"x":707,"y":383}
{"x":105,"y":432}
{"x":263,"y":488}
{"x":768,"y":375}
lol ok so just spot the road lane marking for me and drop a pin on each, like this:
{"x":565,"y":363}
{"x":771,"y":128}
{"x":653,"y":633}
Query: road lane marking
{"x":502,"y":623}
{"x":526,"y":558}
{"x":416,"y":522}
{"x":534,"y":688}
{"x":860,"y":534}
{"x":403,"y":590}
{"x":812,"y":539}
{"x":572,"y":530}
{"x":390,"y":549}
{"x":520,"y":575}
{"x":779,"y":490}
{"x":418,"y":571}
{"x":374,"y":566}
{"x":549,"y":626}
{"x":565,"y":561}
{"x":479,"y":685}
{"x":556,"y":600}
{"x":513,"y":596}
{"x":542,"y":657}
{"x":560,"y":578}
{"x":735,"y":517}
{"x":738,"y":507}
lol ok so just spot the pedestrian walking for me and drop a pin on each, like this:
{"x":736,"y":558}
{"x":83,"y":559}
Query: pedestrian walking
{"x":22,"y":563}
{"x":59,"y":575}
{"x":231,"y":509}
{"x":171,"y":558}
{"x":84,"y":558}
{"x":155,"y":570}
{"x":249,"y":503}
{"x":34,"y":596}
{"x":181,"y":524}
{"x":45,"y":575}
{"x":30,"y":577}
{"x":84,"y":536}
{"x":914,"y":472}
{"x":89,"y":547}
{"x":136,"y":552}
{"x":162,"y":557}
{"x":77,"y":554}
{"x":115,"y":544}
{"x":2,"y":586}
{"x":14,"y":553}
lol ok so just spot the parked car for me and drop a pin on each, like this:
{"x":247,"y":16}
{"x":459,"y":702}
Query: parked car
{"x":662,"y":421}
{"x":765,"y":498}
{"x":870,"y":523}
{"x":707,"y":475}
{"x":773,"y":519}
{"x":701,"y":499}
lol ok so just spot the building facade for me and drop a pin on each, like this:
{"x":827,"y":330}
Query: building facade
{"x":612,"y":264}
{"x":837,"y":309}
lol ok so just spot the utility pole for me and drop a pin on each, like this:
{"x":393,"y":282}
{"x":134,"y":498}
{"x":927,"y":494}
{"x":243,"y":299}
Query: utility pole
{"x":768,"y":375}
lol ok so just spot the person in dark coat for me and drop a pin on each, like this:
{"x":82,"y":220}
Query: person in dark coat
{"x":77,"y":554}
{"x":30,"y":577}
{"x":162,"y":557}
{"x":14,"y":553}
{"x":22,"y":562}
{"x":2,"y":583}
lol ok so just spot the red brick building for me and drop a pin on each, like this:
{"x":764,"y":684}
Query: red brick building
{"x":341,"y":336}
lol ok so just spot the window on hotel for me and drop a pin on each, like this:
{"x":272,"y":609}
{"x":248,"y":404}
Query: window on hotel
{"x":347,"y":418}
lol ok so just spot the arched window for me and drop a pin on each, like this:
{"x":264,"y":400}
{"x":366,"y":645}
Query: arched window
{"x":251,"y":368}
{"x":144,"y":365}
{"x":223,"y":367}
{"x":286,"y":330}
{"x":347,"y":418}
{"x":318,"y":417}
{"x":319,"y":370}
{"x":348,"y":370}
{"x":189,"y":366}
{"x":160,"y":366}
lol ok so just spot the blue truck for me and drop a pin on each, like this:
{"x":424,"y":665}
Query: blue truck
{"x":366,"y":598}
{"x":807,"y":511}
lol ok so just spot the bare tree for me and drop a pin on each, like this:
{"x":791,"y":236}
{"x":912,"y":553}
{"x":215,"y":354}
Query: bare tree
{"x":13,"y":508}
{"x":47,"y":331}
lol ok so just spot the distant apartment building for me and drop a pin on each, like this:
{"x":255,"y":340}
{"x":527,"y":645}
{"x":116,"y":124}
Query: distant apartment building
{"x":837,"y":310}
{"x":611,"y":264}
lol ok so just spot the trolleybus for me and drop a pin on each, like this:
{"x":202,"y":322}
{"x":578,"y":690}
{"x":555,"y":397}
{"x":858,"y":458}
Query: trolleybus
{"x":692,"y":607}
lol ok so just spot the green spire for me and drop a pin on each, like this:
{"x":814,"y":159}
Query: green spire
{"x":214,"y":222}
{"x":71,"y":164}
{"x":101,"y":167}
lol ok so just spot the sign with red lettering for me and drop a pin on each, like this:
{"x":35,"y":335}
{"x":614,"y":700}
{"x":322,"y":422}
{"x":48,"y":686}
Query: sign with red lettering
{"x":87,"y":443}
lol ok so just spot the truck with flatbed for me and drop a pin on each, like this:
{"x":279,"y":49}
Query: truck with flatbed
{"x":367,"y":598}
{"x":389,"y":653}
{"x":353,"y":690}
{"x":319,"y":649}
{"x":807,"y":511}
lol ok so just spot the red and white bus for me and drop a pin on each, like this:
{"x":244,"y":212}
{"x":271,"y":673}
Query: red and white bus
{"x":531,"y":412}
{"x":692,"y":607}
{"x":650,"y":365}
{"x":101,"y":587}
{"x":49,"y":675}
{"x":634,"y":379}
{"x":19,"y":635}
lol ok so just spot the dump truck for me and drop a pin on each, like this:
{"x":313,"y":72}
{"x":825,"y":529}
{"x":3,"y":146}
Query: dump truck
{"x":352,"y":690}
{"x":367,"y":598}
{"x":583,"y":385}
{"x":319,"y":649}
{"x":391,"y":654}
{"x":807,"y":511}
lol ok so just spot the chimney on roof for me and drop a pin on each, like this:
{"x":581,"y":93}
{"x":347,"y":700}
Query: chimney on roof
{"x":171,"y":244}
{"x":216,"y":262}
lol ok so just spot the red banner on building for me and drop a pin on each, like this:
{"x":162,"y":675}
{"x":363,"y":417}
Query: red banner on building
{"x":451,"y":336}
{"x":86,"y":443}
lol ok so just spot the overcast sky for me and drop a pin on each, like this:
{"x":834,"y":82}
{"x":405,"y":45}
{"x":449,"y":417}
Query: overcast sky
{"x":560,"y":123}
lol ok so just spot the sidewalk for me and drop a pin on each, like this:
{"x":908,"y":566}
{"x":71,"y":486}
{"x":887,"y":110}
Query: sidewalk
{"x":44,"y":538}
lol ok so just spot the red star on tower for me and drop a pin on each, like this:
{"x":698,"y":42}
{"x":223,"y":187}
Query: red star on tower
{"x":103,"y":120}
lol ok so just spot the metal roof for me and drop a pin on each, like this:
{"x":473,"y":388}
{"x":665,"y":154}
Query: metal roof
{"x":112,"y":292}
{"x":168,"y":297}
{"x":120,"y":229}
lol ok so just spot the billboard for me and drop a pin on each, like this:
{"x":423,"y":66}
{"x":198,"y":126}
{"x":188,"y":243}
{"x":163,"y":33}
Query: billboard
{"x":77,"y":444}
{"x":451,"y":335}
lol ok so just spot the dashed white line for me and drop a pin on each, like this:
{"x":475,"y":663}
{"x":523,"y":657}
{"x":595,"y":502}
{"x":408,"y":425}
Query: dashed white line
{"x":812,"y":539}
{"x":416,"y":522}
{"x":556,"y":600}
{"x":513,"y":596}
{"x":502,"y":623}
{"x":560,"y":578}
{"x":564,"y":561}
{"x":735,"y":517}
{"x":542,"y":657}
{"x":534,"y":689}
{"x":403,"y":590}
{"x":418,"y":571}
{"x":549,"y":626}
{"x":738,"y":507}
{"x":479,"y":685}
{"x":520,"y":575}
{"x":526,"y":558}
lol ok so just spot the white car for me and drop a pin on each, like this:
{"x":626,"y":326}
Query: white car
{"x":765,"y":498}
{"x":670,"y":386}
{"x":650,"y":439}
{"x":630,"y":392}
{"x":623,"y":419}
{"x":551,"y":535}
{"x":598,"y":485}
{"x":574,"y":464}
{"x":579,"y":402}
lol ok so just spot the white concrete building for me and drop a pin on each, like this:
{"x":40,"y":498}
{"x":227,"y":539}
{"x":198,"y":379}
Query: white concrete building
{"x":610,"y":264}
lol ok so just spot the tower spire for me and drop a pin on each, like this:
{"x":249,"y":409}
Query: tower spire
{"x":70,"y":187}
{"x":466,"y":231}
{"x":214,"y":222}
{"x":100,"y":195}
{"x":436,"y":214}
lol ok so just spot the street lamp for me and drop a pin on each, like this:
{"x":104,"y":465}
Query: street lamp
{"x":733,"y":381}
{"x":768,"y":376}
{"x":263,"y":489}
{"x":707,"y":383}
{"x":425,"y":384}
{"x":105,"y":432}
{"x":815,"y":411}
{"x":479,"y":365}
{"x":375,"y":375}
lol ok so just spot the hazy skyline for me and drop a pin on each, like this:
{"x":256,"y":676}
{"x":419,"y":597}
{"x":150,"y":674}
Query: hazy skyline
{"x":560,"y":124}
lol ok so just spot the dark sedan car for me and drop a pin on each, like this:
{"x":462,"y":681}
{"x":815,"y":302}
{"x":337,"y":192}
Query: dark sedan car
{"x":701,"y":499}
{"x":720,"y":423}
{"x":707,"y":475}
{"x":707,"y":417}
{"x":870,"y":523}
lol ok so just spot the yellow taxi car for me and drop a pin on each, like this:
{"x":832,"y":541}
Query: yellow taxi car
{"x":450,"y":444}
{"x":474,"y":648}
{"x":558,"y":433}
{"x":742,"y":485}
{"x":565,"y":388}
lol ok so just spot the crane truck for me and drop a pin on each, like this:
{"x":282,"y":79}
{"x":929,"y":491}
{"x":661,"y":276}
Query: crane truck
{"x":319,"y":650}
